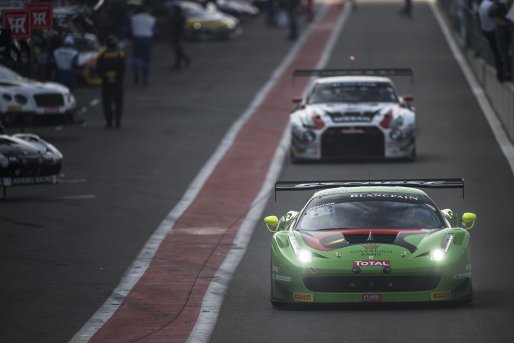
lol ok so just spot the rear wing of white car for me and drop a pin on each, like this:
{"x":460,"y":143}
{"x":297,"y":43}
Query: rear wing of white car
{"x":416,"y":183}
{"x":384,"y":72}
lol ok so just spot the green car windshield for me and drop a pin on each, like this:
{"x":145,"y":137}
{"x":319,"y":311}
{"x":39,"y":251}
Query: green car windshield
{"x":363,"y":213}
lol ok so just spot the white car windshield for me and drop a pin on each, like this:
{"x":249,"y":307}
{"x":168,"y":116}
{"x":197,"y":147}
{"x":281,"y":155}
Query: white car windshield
{"x":378,"y":211}
{"x":352,"y":92}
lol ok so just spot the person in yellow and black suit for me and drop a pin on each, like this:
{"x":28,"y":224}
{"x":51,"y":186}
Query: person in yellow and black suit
{"x":111,"y":69}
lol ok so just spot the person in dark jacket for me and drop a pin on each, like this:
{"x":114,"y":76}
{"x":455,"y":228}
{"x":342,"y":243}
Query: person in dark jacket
{"x":111,"y":69}
{"x":406,"y":9}
{"x":177,"y":27}
{"x":292,"y":8}
{"x":503,"y":36}
{"x":9,"y":53}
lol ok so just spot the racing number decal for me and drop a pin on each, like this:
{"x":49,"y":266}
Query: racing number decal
{"x":304,"y":297}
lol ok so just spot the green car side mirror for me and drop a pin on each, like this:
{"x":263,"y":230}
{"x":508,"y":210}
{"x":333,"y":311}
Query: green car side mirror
{"x":271,"y":223}
{"x":468,"y":220}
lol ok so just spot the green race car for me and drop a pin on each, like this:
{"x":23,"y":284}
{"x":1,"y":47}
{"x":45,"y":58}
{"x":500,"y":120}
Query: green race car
{"x":370,"y":241}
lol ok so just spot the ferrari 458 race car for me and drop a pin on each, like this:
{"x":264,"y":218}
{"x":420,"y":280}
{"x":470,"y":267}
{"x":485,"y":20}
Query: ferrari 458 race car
{"x":26,"y":159}
{"x":370,"y":241}
{"x":350,"y":113}
{"x":25,"y":102}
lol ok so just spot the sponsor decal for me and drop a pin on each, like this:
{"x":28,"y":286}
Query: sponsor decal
{"x":372,"y":263}
{"x":441,"y":295}
{"x":385,"y":195}
{"x":370,"y":246}
{"x":18,"y":21}
{"x":324,"y":210}
{"x":435,"y":183}
{"x":51,"y":109}
{"x":371,"y":252}
{"x":41,"y":15}
{"x":371,"y":298}
{"x":13,"y":108}
{"x":460,"y":276}
{"x":352,"y":131}
{"x":351,"y":119}
{"x":282,"y":278}
{"x":29,"y":180}
{"x":304,"y":297}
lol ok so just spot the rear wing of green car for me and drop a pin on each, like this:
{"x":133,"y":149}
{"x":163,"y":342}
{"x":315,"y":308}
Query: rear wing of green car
{"x":416,"y":183}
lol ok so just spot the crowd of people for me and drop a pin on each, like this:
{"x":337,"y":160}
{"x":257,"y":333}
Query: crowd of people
{"x":496,"y":27}
{"x":485,"y":26}
{"x":59,"y":60}
{"x":53,"y":55}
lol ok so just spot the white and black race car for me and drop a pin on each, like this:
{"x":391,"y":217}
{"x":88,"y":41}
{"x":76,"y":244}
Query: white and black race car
{"x":27,"y":159}
{"x":349,"y":113}
{"x":25,"y":102}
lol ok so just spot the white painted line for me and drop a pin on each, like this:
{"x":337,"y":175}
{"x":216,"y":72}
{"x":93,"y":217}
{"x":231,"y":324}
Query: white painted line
{"x":215,"y":294}
{"x":142,"y":261}
{"x":489,"y":113}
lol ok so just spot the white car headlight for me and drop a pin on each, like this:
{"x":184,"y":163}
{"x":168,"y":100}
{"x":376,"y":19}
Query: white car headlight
{"x":437,"y":255}
{"x":303,"y":255}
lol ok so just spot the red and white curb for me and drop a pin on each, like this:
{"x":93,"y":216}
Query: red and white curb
{"x":174,"y":289}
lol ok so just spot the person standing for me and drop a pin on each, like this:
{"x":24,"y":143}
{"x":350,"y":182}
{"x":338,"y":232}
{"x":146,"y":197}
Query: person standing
{"x":10,"y":55}
{"x":65,"y":61}
{"x":292,"y":8}
{"x":407,"y":9}
{"x":143,"y":27}
{"x":177,"y":27}
{"x":502,"y":35}
{"x":488,"y":28}
{"x":111,"y":69}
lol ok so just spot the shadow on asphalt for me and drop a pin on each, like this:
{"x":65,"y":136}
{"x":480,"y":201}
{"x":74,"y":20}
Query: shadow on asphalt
{"x":373,"y":307}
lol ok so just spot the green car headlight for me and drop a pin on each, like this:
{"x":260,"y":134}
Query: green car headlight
{"x":304,"y":256}
{"x":439,"y":253}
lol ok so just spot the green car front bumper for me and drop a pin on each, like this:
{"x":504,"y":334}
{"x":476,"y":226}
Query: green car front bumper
{"x":294,"y":282}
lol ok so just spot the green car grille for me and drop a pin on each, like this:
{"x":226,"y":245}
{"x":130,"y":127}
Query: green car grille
{"x":352,"y":284}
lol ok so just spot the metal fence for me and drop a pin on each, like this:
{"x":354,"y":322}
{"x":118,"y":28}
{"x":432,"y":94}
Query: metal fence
{"x":465,"y":24}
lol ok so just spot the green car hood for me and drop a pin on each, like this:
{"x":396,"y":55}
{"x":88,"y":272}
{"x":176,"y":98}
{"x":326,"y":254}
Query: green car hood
{"x":363,"y":243}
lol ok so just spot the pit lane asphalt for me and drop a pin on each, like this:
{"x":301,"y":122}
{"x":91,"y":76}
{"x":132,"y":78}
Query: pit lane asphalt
{"x":454,"y":140}
{"x":64,"y":248}
{"x":61,"y":257}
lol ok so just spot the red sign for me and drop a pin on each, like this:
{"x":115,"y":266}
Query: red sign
{"x":17,"y":21}
{"x":41,"y":15}
{"x":372,"y":263}
{"x":371,"y":298}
